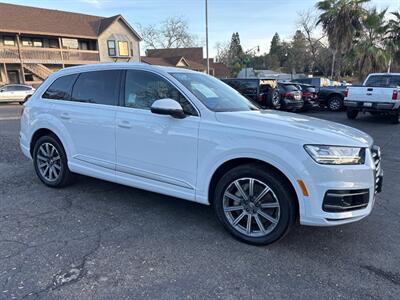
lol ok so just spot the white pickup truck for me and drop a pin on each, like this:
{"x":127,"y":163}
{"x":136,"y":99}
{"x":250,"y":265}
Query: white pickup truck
{"x":380,"y":93}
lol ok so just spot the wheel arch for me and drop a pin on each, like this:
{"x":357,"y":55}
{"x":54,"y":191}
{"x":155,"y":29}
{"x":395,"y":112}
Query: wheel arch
{"x":38,"y":134}
{"x":232,"y":163}
{"x":332,"y":95}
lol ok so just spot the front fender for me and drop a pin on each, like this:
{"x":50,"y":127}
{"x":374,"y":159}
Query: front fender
{"x":290,"y":165}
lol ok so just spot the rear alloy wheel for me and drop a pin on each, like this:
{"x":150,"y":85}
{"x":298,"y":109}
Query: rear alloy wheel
{"x":50,"y":162}
{"x":335,"y":103}
{"x":352,"y":114}
{"x":254,"y":205}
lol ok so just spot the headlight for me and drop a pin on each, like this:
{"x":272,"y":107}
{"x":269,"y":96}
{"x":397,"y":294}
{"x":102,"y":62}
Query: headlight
{"x":336,"y":155}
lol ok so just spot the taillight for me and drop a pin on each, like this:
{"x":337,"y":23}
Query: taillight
{"x":260,"y":98}
{"x":286,"y":95}
{"x":346,"y":92}
{"x":395,"y":94}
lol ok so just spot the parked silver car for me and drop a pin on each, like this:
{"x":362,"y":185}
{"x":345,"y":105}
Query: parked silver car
{"x":15,"y":93}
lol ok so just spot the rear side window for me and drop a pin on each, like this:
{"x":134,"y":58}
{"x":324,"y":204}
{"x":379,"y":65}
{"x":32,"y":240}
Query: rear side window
{"x":100,"y":87}
{"x":61,"y":88}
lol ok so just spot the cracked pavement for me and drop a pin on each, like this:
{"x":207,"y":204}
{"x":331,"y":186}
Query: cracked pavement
{"x":99,"y":240}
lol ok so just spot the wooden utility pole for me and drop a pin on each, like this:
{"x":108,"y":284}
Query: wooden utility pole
{"x":208,"y":61}
{"x":20,"y":58}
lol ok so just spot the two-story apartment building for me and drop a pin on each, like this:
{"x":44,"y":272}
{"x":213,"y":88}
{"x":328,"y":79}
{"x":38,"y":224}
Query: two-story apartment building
{"x":35,"y":42}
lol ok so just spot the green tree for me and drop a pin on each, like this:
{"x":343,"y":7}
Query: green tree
{"x":393,"y":41}
{"x":371,"y":47}
{"x":341,"y":20}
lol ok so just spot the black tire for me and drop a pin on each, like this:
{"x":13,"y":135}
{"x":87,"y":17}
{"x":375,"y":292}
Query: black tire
{"x":285,"y":198}
{"x":335,"y":103}
{"x":394,"y":118}
{"x":65,"y":176}
{"x":352,"y":114}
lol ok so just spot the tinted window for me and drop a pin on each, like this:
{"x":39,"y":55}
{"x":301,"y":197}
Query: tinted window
{"x":376,"y":81}
{"x":21,"y":88}
{"x":143,"y":88}
{"x":61,"y":88}
{"x":249,"y":86}
{"x":394,"y":81}
{"x":383,"y":81}
{"x":289,"y":87}
{"x":100,"y":87}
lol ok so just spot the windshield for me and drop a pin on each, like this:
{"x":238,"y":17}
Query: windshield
{"x":213,"y":93}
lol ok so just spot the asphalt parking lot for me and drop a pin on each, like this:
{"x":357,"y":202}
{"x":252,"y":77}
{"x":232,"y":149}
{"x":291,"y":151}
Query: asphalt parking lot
{"x":101,"y":240}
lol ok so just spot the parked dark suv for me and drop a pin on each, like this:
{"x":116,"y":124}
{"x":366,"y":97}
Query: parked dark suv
{"x":309,"y":95}
{"x":261,"y":91}
{"x":290,"y":96}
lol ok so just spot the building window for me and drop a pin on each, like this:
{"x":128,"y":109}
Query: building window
{"x":53,"y":43}
{"x":9,"y":41}
{"x":37,"y":43}
{"x":123,"y":48}
{"x":27,"y":42}
{"x":111,"y":48}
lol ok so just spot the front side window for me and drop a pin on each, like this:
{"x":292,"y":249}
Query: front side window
{"x":61,"y":88}
{"x":213,"y":93}
{"x":111,"y":48}
{"x":100,"y":87}
{"x":143,"y":88}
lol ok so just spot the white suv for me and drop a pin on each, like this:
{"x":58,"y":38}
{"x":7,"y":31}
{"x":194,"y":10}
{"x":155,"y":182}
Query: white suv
{"x":189,"y":135}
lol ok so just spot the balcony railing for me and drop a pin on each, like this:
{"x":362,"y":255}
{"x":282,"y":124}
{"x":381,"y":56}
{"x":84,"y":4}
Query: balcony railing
{"x":48,"y":55}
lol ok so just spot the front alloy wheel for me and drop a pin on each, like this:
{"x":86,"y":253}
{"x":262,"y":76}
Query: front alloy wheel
{"x":254,"y":204}
{"x":251,"y":207}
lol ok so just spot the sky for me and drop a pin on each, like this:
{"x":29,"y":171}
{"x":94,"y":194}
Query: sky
{"x":255,"y":20}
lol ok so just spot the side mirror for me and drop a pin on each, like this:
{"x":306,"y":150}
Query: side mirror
{"x":169,"y":107}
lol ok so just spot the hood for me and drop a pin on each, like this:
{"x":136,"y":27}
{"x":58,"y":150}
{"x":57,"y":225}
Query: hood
{"x":306,"y":129}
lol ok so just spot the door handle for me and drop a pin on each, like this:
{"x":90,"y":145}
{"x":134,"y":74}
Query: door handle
{"x":370,"y":89}
{"x":125,"y":124}
{"x":369,"y":94}
{"x":65,"y":116}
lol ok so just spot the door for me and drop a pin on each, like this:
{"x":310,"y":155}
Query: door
{"x":85,"y":105}
{"x":157,"y":150}
{"x":13,"y":77}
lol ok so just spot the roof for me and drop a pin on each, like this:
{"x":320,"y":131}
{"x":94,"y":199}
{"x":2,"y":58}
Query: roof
{"x":33,"y":20}
{"x":194,"y":53}
{"x":173,"y":62}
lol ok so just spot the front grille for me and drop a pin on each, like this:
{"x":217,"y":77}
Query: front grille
{"x":376,"y":157}
{"x":345,"y":200}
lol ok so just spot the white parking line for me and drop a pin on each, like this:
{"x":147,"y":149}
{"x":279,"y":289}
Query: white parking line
{"x":9,"y":118}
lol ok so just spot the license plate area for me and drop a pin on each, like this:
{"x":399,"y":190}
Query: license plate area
{"x":367,"y":104}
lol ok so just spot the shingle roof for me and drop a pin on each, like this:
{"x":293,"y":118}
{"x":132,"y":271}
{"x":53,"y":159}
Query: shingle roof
{"x":194,"y":53}
{"x":26,"y":19}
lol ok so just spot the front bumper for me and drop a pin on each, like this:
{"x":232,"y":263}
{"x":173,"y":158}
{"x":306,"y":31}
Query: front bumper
{"x":341,"y":194}
{"x":370,"y":106}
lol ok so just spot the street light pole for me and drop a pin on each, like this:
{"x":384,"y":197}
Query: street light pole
{"x":208,"y":62}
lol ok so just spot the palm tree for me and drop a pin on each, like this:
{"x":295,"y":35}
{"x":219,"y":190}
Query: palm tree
{"x":393,"y":41}
{"x":341,"y":20}
{"x":371,"y":47}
